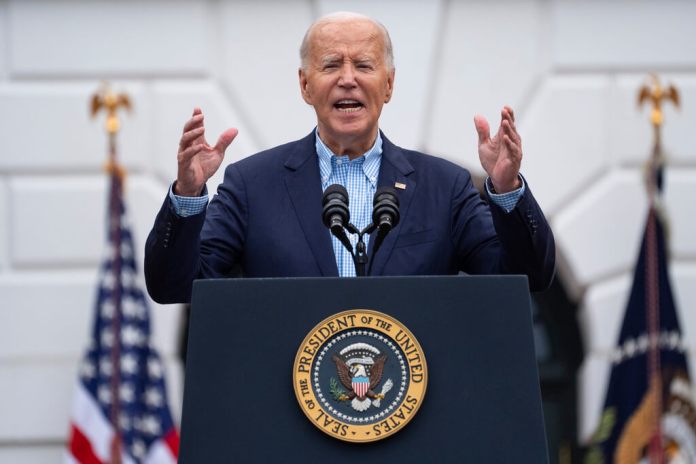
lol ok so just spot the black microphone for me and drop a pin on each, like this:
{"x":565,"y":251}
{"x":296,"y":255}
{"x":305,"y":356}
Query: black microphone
{"x":385,"y":212}
{"x":335,"y":213}
{"x":385,"y":216}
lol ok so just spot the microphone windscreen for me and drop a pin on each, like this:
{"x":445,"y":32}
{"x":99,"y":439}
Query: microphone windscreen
{"x":385,"y":211}
{"x":337,"y":189}
{"x":335,"y":213}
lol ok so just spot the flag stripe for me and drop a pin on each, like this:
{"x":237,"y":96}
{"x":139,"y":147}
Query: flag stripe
{"x":81,"y":448}
{"x":172,"y":441}
{"x":160,"y":452}
{"x":88,"y":417}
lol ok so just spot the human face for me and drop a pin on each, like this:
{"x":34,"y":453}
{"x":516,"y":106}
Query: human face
{"x":347,"y":82}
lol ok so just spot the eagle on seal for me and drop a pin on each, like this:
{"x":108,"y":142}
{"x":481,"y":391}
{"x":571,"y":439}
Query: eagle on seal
{"x":359,"y":383}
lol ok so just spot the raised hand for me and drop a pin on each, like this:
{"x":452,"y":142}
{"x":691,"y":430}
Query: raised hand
{"x":197,"y":160}
{"x":500,"y":156}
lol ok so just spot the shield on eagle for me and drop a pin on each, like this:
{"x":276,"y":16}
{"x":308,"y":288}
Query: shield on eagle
{"x":361,"y":385}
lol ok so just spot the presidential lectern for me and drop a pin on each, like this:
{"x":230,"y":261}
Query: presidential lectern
{"x":368,"y":370}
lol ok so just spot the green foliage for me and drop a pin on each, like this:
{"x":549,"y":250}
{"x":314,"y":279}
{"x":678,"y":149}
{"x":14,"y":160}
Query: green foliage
{"x":336,"y":391}
{"x":606,"y":425}
{"x":594,"y":456}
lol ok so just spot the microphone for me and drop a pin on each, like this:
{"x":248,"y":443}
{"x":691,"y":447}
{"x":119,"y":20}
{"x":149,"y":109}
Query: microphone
{"x":385,"y":216}
{"x":385,"y":213}
{"x":336,"y":215}
{"x":335,"y":212}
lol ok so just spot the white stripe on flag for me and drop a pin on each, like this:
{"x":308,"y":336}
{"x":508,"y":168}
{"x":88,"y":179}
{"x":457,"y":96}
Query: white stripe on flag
{"x":159,"y":454}
{"x":88,"y":417}
{"x":68,"y":458}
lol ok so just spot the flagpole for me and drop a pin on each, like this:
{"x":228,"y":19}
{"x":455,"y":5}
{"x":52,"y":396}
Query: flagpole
{"x":105,"y":99}
{"x":655,"y":94}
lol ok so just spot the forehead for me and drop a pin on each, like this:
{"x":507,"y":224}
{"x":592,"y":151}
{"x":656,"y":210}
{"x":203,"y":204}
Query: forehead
{"x":355,"y":37}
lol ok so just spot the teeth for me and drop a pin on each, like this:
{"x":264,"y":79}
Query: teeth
{"x":354,"y":105}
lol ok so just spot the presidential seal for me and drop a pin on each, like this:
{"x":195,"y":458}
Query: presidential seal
{"x":360,"y":375}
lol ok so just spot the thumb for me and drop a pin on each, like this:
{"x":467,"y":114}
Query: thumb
{"x":225,"y":139}
{"x":482,"y":128}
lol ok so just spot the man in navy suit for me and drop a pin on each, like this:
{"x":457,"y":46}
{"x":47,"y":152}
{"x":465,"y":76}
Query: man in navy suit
{"x":266,"y":219}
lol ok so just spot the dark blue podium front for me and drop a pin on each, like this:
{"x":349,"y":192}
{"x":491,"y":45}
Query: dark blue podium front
{"x":482,"y":402}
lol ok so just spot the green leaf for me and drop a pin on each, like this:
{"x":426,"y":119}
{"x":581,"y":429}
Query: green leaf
{"x":335,"y":390}
{"x":606,"y":425}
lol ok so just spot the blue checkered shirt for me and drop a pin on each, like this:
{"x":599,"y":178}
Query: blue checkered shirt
{"x":359,"y":177}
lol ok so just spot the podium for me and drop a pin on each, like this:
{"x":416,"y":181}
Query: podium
{"x":482,"y":403}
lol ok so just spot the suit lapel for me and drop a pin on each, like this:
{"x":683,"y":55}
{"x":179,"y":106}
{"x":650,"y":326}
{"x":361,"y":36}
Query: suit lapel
{"x":395,"y":168}
{"x":304,"y":187}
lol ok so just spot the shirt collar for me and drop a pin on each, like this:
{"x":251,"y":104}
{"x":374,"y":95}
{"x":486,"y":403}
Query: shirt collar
{"x":370,"y":160}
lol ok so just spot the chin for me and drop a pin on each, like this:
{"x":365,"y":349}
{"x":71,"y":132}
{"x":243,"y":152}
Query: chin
{"x":353,"y":129}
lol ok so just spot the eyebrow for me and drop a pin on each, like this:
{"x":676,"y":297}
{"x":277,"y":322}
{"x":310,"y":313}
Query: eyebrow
{"x":330,"y":59}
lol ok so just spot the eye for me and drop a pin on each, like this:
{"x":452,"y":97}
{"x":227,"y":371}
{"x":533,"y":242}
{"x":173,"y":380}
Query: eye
{"x":330,"y":65}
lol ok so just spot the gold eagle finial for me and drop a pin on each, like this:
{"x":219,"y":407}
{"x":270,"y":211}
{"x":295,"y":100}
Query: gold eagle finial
{"x":656,"y":94}
{"x":110,"y":102}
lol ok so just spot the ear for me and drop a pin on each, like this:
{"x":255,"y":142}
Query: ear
{"x":390,"y":85}
{"x":304,"y":86}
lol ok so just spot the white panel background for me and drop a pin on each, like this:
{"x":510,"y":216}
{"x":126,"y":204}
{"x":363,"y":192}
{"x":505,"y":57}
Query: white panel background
{"x":570,"y":69}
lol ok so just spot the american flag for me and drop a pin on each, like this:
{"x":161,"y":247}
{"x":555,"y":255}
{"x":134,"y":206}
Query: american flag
{"x":120,"y":411}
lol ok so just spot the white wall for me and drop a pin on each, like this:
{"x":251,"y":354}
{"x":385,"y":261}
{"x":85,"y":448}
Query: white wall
{"x":570,"y":69}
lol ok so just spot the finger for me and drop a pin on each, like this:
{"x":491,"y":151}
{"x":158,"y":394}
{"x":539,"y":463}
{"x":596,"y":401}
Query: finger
{"x":508,"y":110}
{"x":225,"y":139}
{"x":511,"y":131}
{"x":514,"y":149}
{"x":482,"y":128}
{"x":186,"y":155}
{"x":195,"y":121}
{"x":190,"y":136}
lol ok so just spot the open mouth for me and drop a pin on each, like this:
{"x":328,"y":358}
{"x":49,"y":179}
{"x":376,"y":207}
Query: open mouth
{"x":348,"y":106}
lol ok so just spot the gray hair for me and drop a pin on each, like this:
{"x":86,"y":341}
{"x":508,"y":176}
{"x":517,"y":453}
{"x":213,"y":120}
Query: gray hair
{"x":343,"y":16}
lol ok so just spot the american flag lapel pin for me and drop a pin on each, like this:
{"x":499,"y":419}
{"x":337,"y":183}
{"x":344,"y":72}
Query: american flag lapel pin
{"x":400,"y":186}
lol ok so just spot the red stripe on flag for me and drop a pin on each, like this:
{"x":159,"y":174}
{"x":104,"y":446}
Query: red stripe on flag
{"x":81,"y":448}
{"x":172,"y":441}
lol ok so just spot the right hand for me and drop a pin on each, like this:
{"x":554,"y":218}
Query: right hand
{"x":197,"y":160}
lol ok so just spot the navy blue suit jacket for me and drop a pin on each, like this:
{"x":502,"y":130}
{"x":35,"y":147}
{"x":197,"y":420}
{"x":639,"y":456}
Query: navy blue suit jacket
{"x":265,"y":221}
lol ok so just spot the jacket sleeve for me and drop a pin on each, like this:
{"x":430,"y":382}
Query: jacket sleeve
{"x":490,"y":240}
{"x":527,"y":240}
{"x":172,"y":255}
{"x":206,"y":245}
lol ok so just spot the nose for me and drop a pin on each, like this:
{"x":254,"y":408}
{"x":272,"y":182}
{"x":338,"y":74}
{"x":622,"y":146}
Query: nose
{"x":347,"y":77}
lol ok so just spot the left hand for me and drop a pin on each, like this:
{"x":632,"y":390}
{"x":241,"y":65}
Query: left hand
{"x":500,"y":156}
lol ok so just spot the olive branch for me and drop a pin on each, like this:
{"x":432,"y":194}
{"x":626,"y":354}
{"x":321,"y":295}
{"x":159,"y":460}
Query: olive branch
{"x":336,"y":391}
